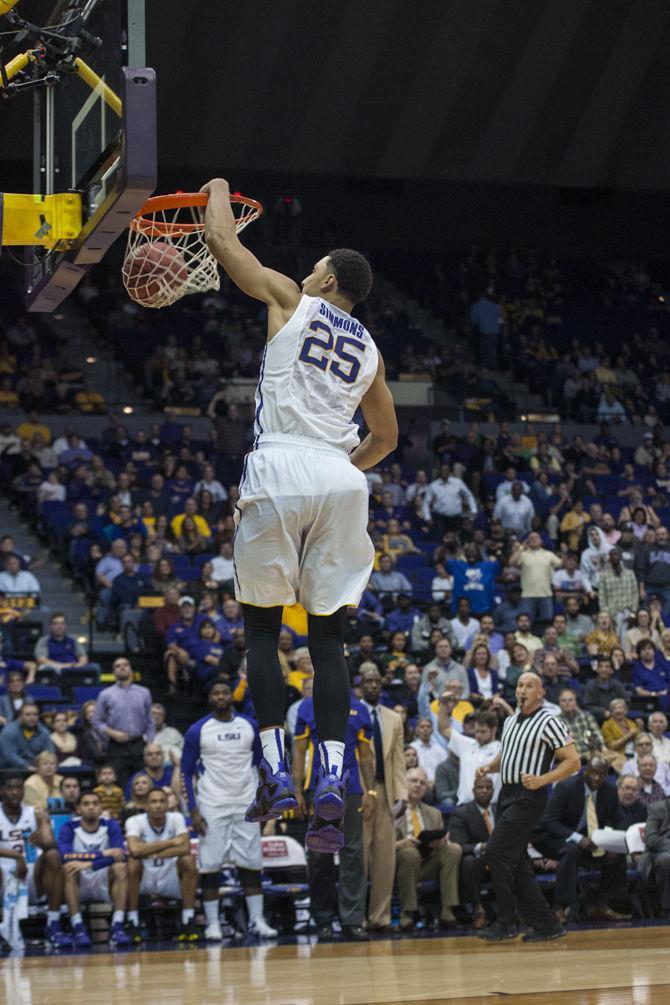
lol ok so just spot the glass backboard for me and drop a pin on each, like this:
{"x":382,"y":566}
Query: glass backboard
{"x":94,"y":132}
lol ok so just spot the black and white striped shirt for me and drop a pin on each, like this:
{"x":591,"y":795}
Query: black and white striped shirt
{"x":528,"y":743}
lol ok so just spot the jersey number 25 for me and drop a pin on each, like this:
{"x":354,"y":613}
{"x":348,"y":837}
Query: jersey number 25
{"x":318,"y":347}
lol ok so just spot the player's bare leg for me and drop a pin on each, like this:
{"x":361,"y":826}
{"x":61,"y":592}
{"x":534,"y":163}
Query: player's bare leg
{"x":209,"y":884}
{"x":49,"y":880}
{"x":118,"y":890}
{"x":188,"y":883}
{"x":188,"y":880}
{"x":250,"y":880}
{"x":135,"y":873}
{"x":80,"y":937}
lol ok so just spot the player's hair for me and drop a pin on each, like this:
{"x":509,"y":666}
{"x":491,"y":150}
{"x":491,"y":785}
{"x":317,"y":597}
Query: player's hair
{"x":11,"y":776}
{"x":101,"y":767}
{"x":216,"y":682}
{"x":487,"y":718}
{"x":87,"y":792}
{"x":353,"y":273}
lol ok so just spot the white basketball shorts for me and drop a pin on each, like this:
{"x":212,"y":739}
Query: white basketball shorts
{"x":161,"y":880}
{"x":33,"y":896}
{"x":94,"y":886}
{"x":302,"y":533}
{"x":229,"y":839}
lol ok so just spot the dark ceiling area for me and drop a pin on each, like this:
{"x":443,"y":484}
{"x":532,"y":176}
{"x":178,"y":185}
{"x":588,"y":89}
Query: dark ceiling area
{"x":567,"y":93}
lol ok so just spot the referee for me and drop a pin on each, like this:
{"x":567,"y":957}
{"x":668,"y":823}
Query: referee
{"x":531,"y":739}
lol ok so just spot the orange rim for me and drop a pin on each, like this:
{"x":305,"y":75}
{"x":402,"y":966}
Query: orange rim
{"x":144,"y":222}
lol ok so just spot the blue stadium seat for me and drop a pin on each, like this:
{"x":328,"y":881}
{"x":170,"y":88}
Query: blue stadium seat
{"x":188,"y":574}
{"x":171,"y":432}
{"x":85,"y":693}
{"x":427,"y":547}
{"x":48,"y":509}
{"x":80,"y":553}
{"x":79,"y":677}
{"x":201,"y":559}
{"x":614,"y":504}
{"x":58,"y":819}
{"x":409,"y":563}
{"x":422,"y":580}
{"x":40,"y":692}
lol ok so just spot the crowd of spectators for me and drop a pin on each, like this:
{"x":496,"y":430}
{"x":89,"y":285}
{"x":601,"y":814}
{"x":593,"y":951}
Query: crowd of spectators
{"x":590,"y":340}
{"x":184,"y":357}
{"x":37,"y":372}
{"x":507,"y":552}
{"x":512,"y":554}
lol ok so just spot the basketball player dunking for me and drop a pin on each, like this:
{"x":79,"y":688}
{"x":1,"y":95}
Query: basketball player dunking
{"x":303,"y":508}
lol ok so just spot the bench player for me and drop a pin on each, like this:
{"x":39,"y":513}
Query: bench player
{"x":160,"y":863}
{"x":95,"y":868}
{"x":220,"y":754}
{"x":303,"y":508}
{"x":45,"y":874}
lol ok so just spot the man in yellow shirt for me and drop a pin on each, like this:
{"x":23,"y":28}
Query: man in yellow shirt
{"x":190,"y":507}
{"x":295,"y":618}
{"x":303,"y":669}
{"x":8,"y":395}
{"x":524,"y":636}
{"x":573,"y":523}
{"x":31,"y":426}
{"x":89,"y":401}
{"x":537,"y":566}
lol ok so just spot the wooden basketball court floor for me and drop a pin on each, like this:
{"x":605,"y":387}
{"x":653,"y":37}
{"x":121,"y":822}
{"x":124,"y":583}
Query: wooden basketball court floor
{"x":629,"y":966}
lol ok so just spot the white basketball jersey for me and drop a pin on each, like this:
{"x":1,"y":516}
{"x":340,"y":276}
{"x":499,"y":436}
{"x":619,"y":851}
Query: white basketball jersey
{"x":227,"y":776}
{"x":11,"y":833}
{"x":313,"y":375}
{"x":139,"y":826}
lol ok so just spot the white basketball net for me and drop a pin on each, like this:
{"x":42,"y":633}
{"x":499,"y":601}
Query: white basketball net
{"x":164,"y":280}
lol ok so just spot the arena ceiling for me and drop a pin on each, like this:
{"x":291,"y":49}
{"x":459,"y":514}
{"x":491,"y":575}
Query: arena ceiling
{"x":571,"y":93}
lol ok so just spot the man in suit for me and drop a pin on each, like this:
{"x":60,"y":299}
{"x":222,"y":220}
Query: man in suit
{"x":469,"y":826}
{"x":390,"y":799}
{"x":654,"y":863}
{"x":421,"y":860}
{"x":577,"y":807}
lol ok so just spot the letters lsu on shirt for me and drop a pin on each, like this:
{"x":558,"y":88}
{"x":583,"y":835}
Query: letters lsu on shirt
{"x":222,"y":758}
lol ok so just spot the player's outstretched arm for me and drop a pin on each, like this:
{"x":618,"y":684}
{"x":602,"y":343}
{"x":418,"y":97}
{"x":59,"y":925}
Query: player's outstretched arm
{"x":380,"y":418}
{"x":244,"y":269}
